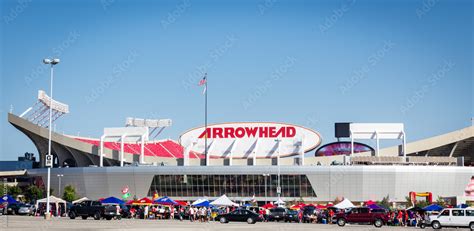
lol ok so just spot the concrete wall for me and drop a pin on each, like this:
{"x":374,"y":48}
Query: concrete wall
{"x":357,"y":183}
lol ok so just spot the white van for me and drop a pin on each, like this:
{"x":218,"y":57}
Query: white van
{"x":453,"y":218}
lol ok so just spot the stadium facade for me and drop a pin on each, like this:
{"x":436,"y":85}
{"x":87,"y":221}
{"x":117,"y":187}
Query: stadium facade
{"x":248,"y":168}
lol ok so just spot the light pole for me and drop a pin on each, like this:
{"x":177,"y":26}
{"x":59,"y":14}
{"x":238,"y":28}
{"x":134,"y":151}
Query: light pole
{"x":265,"y":178}
{"x":50,"y":62}
{"x":59,"y":177}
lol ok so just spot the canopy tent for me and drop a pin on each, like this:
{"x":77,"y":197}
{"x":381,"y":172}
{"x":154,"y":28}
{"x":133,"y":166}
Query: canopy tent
{"x":80,"y":200}
{"x":247,"y":205}
{"x":462,"y":206}
{"x":279,"y":202}
{"x":52,"y":200}
{"x":369,"y":202}
{"x":165,"y":201}
{"x":416,"y":209}
{"x":298,"y":206}
{"x":200,"y":200}
{"x":321,"y":206}
{"x":344,"y":204}
{"x":143,"y":201}
{"x":268,"y":206}
{"x":112,"y":200}
{"x":182,"y":203}
{"x":223,"y":201}
{"x":8,"y":199}
{"x":375,"y":206}
{"x":203,"y":204}
{"x":433,"y":207}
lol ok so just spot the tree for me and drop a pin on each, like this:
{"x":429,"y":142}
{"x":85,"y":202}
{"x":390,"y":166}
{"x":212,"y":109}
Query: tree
{"x":440,"y":201}
{"x":34,"y":193}
{"x":14,"y":191}
{"x":385,"y":202}
{"x":69,"y":193}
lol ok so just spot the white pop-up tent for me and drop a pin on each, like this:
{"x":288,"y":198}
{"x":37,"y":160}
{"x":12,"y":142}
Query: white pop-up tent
{"x":344,"y":204}
{"x":52,"y":200}
{"x":223,"y":201}
{"x":80,"y":200}
{"x":279,"y":202}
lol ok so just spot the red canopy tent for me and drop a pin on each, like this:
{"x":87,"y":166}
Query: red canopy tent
{"x":182,"y":203}
{"x":321,"y":206}
{"x":298,"y":206}
{"x":143,"y":201}
{"x":268,"y":206}
{"x":369,"y":202}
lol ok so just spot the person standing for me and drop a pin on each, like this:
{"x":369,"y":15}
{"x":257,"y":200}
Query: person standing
{"x":145,"y":212}
{"x":191,"y":214}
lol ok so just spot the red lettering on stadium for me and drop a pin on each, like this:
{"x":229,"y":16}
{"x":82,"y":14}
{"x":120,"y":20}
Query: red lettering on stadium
{"x":241,"y":132}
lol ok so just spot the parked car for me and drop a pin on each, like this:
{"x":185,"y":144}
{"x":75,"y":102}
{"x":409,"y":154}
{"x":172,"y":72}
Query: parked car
{"x":291,"y":215}
{"x":243,"y":215}
{"x":453,"y":218}
{"x":26,"y":209}
{"x":87,"y":209}
{"x":12,"y":209}
{"x":362,"y":215}
{"x":277,"y":214}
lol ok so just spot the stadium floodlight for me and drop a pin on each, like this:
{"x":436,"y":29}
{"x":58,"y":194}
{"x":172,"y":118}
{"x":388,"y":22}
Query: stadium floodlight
{"x":52,"y":62}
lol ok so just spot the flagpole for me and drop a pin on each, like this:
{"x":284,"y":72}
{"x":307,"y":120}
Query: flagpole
{"x":205,"y":123}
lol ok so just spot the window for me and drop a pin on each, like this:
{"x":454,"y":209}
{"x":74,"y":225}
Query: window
{"x":470,"y":213}
{"x":444,"y":213}
{"x":458,"y":213}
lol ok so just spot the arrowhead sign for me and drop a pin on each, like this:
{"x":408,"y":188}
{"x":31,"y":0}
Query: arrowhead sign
{"x":49,"y":161}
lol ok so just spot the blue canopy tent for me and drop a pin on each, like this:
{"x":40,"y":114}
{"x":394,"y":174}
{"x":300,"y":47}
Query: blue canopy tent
{"x":246,"y":205}
{"x":112,"y":200}
{"x":375,"y":206}
{"x":433,"y":207}
{"x":203,"y":204}
{"x":462,"y":206}
{"x":165,"y":201}
{"x":8,"y":199}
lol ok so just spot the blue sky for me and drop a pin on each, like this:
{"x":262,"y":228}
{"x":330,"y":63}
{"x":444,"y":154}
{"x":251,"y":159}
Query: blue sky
{"x":310,"y":63}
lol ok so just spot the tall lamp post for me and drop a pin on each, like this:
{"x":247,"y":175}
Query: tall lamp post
{"x":59,"y":178}
{"x":48,"y":164}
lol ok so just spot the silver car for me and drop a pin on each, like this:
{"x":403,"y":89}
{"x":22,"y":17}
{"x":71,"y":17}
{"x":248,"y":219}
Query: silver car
{"x":27,"y":209}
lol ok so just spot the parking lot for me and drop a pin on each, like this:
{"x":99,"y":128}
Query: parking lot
{"x":37,"y":223}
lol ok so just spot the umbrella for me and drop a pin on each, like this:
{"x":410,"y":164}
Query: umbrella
{"x":268,"y":206}
{"x":112,"y":200}
{"x":433,"y":207}
{"x":165,"y":201}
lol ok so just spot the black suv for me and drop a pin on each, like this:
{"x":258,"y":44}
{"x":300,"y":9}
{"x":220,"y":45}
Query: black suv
{"x":277,"y":214}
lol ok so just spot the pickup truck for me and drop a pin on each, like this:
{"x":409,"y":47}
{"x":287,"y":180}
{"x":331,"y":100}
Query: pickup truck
{"x":362,"y":215}
{"x":87,"y":209}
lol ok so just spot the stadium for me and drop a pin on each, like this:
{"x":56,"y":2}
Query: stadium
{"x":249,"y":160}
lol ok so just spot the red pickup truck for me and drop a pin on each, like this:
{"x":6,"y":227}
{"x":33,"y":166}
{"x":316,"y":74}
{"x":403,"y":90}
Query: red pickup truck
{"x":362,"y":215}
